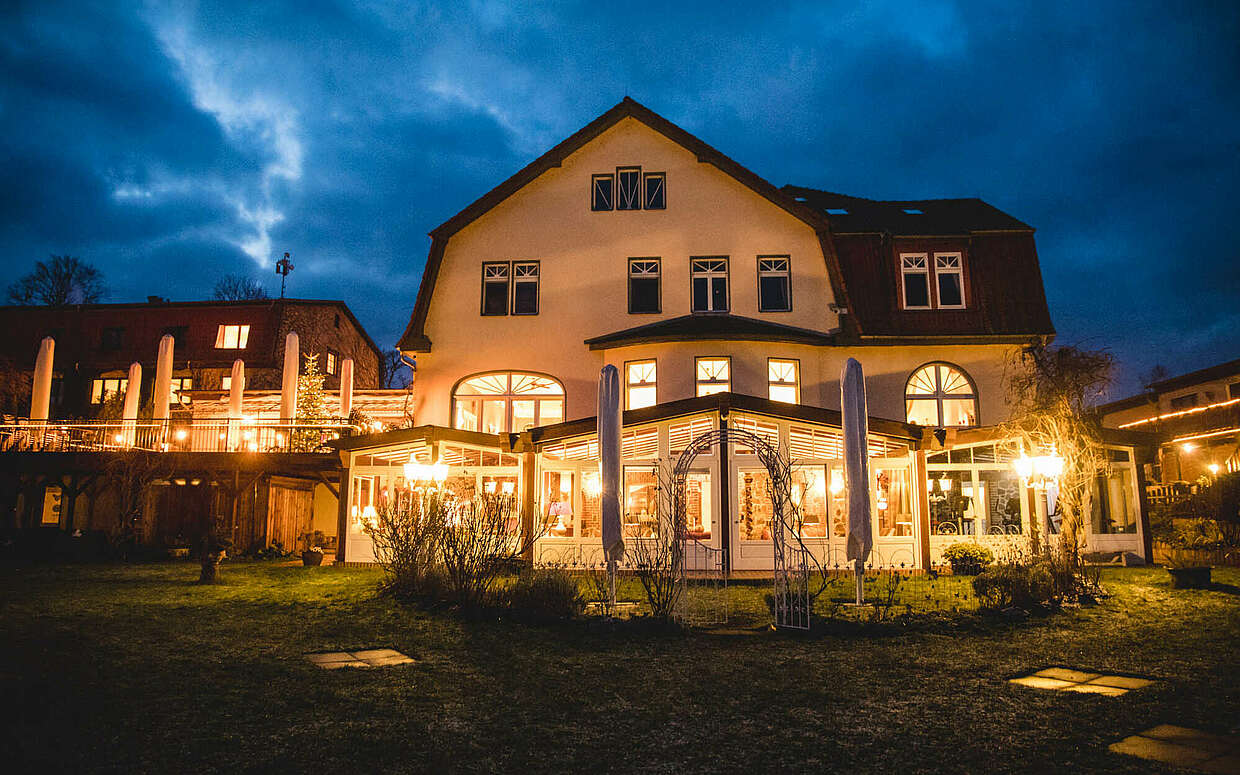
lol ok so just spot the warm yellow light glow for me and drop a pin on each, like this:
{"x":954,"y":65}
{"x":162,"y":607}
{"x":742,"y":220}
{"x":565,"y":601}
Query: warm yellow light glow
{"x":1039,"y":470}
{"x":566,"y":484}
{"x":837,"y":482}
{"x":279,"y":438}
{"x":181,"y":435}
{"x":1181,"y":413}
{"x":119,"y":438}
{"x":376,"y":426}
{"x":253,"y":446}
{"x":424,"y":472}
{"x":593,"y":485}
{"x":510,"y":488}
{"x":1188,"y":446}
{"x":1213,"y":468}
{"x":945,"y":484}
{"x":489,"y":487}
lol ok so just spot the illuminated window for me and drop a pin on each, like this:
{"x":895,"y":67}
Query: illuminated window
{"x":713,"y":375}
{"x":656,"y":190}
{"x":232,"y":337}
{"x":709,"y":278}
{"x":644,"y":286}
{"x":495,"y":288}
{"x":179,"y":384}
{"x":504,"y":402}
{"x":107,"y":389}
{"x":525,"y":287}
{"x":640,"y":384}
{"x":628,"y":188}
{"x":558,"y":503}
{"x":226,"y":382}
{"x":915,"y":273}
{"x":783,"y":380}
{"x":641,"y":510}
{"x":331,"y":362}
{"x":602,"y":192}
{"x":940,"y":395}
{"x":949,"y":280}
{"x":774,"y":290}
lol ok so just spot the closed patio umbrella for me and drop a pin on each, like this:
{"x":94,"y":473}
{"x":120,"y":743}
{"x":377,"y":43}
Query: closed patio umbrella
{"x":856,"y":468}
{"x":609,"y":421}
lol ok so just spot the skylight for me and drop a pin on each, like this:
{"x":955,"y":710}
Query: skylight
{"x":836,"y":211}
{"x":801,"y":199}
{"x":912,"y":211}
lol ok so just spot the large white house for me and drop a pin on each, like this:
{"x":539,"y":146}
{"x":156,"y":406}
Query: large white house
{"x":723,"y":300}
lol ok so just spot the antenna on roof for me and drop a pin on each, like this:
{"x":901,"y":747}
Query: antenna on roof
{"x":283,"y":267}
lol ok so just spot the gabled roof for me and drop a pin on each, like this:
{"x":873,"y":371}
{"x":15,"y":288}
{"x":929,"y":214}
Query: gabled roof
{"x":709,"y":326}
{"x":1150,"y":397}
{"x":415,"y":337}
{"x":936,"y":217}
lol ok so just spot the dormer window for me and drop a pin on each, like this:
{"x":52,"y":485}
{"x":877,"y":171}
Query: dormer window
{"x":932,"y":281}
{"x":232,"y":337}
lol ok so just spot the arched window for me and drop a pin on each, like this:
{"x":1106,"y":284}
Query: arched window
{"x":503,"y":402}
{"x":940,"y":395}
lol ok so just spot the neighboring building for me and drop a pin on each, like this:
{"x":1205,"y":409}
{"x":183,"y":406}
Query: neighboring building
{"x":1196,"y":418}
{"x":724,"y":302}
{"x":96,"y":343}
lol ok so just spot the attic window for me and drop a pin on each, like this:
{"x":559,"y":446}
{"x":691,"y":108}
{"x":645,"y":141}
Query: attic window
{"x":836,"y":211}
{"x":912,"y":211}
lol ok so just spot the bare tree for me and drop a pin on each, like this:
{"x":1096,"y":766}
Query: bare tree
{"x":393,"y":371}
{"x":1050,"y":391}
{"x":232,"y":287}
{"x":58,"y":281}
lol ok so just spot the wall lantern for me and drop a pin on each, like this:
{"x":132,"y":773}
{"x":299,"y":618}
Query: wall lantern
{"x":1213,"y":469}
{"x":1040,"y":470}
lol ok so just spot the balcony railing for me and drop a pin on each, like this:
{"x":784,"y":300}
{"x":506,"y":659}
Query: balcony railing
{"x":172,"y":436}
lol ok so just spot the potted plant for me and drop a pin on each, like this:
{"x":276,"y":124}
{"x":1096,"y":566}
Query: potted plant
{"x":313,"y":553}
{"x":1187,"y":570}
{"x":967,"y":558}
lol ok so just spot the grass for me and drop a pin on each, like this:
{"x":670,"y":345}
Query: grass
{"x":136,"y":668}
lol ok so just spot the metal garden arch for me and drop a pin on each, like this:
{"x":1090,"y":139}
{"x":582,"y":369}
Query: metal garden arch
{"x":790,"y":556}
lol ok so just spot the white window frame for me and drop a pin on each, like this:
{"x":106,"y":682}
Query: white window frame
{"x":915,"y":264}
{"x":710,"y":268}
{"x":332,"y":362}
{"x":645,"y":269}
{"x":496,"y":272}
{"x":940,"y":395}
{"x":712,"y":380}
{"x":642,"y":381}
{"x":942,"y":266}
{"x":178,"y":384}
{"x":775,"y":266}
{"x":773,"y":380}
{"x":232,"y":336}
{"x":524,"y":272}
{"x":102,"y":387}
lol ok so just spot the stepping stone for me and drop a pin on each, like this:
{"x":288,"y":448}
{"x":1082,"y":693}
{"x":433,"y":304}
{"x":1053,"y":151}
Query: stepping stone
{"x":1038,"y":682}
{"x":1095,"y":688}
{"x":1121,"y":681}
{"x":1184,"y":747}
{"x":334,"y":660}
{"x":1066,"y":674}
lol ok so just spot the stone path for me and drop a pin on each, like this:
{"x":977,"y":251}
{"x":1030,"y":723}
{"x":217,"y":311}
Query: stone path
{"x":1184,"y":747}
{"x":334,"y":660}
{"x":1065,"y":679}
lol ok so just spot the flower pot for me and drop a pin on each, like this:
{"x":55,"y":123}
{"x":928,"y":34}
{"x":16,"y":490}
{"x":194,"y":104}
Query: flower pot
{"x":1190,"y":578}
{"x":311,"y":557}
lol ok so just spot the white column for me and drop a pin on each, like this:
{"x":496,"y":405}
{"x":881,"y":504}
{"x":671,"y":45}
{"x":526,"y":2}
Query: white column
{"x":41,"y":394}
{"x":288,"y":393}
{"x":163,"y":378}
{"x":346,"y":388}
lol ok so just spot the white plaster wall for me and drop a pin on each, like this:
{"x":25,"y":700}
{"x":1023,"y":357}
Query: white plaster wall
{"x":584,"y":266}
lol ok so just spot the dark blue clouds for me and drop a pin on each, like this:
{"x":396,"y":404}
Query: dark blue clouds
{"x":214,"y":136}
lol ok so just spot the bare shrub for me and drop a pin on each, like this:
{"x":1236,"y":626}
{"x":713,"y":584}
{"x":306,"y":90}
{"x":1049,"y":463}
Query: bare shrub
{"x":406,"y":535}
{"x":479,"y":541}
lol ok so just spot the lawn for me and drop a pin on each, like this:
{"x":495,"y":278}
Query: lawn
{"x":135,"y":668}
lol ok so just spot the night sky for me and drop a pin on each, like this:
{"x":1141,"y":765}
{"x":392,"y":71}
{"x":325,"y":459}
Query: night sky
{"x":170,"y":144}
